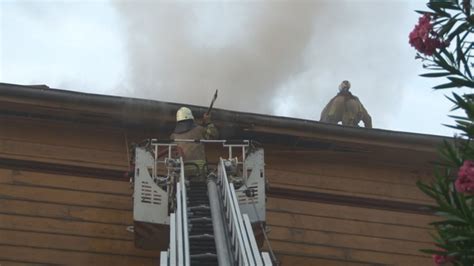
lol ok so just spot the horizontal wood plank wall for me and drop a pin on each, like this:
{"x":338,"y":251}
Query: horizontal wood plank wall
{"x":63,"y":143}
{"x":367,"y":180}
{"x":70,"y":219}
{"x":61,"y":219}
{"x":342,"y":233}
{"x":306,"y":232}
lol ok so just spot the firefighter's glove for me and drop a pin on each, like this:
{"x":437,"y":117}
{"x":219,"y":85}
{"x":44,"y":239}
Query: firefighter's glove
{"x":206,"y":119}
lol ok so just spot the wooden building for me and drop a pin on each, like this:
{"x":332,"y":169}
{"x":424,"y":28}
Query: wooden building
{"x":337,"y":195}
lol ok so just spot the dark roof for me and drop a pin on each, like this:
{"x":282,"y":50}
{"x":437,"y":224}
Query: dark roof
{"x":42,"y":101}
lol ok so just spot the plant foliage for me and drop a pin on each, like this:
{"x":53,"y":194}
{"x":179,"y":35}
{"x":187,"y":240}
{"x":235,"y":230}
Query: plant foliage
{"x":444,"y":40}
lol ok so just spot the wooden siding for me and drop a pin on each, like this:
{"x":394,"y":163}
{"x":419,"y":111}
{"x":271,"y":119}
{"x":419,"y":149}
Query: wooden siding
{"x":50,"y":217}
{"x":342,"y":233}
{"x":342,"y":182}
{"x":308,"y":231}
{"x":63,"y":143}
{"x":61,"y":219}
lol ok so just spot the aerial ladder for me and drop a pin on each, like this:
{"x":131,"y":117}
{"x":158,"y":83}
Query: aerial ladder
{"x":196,"y":222}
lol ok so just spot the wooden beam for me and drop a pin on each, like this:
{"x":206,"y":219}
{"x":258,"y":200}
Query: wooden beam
{"x":307,"y":222}
{"x":63,"y":196}
{"x":350,"y":212}
{"x":350,"y":255}
{"x":60,"y":226}
{"x":63,"y":257}
{"x":73,"y":243}
{"x":346,"y":200}
{"x":66,"y":212}
{"x":68,"y":182}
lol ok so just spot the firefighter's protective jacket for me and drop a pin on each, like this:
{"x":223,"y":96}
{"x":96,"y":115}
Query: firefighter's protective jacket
{"x":195,"y":151}
{"x":346,"y":108}
{"x":194,"y":154}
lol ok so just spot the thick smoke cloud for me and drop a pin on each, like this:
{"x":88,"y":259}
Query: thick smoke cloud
{"x":283,"y":58}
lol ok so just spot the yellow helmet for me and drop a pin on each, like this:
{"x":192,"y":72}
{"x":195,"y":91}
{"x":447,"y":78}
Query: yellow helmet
{"x":184,"y":113}
{"x":345,"y":85}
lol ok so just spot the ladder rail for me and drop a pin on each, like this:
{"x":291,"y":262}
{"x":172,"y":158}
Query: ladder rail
{"x":255,"y":254}
{"x":223,"y":251}
{"x":172,"y":250}
{"x":164,"y":258}
{"x":236,"y":228}
{"x":266,"y":259}
{"x":233,"y":226}
{"x":180,"y":241}
{"x":178,"y":253}
{"x":184,"y":210}
{"x":239,"y":227}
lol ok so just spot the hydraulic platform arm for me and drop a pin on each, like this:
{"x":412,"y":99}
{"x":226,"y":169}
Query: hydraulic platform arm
{"x":201,"y":222}
{"x":235,"y":242}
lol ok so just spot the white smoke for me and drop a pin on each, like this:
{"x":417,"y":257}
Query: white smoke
{"x":284,"y":58}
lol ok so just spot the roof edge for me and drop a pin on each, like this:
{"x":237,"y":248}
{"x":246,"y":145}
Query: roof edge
{"x":123,"y":108}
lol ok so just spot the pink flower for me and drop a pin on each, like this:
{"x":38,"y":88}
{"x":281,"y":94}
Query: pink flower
{"x":439,"y":259}
{"x":465,"y":181}
{"x":424,"y":38}
{"x":442,"y":259}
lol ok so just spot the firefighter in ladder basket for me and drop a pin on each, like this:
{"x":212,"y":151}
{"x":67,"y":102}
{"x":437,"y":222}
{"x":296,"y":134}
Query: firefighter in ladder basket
{"x":194,"y":155}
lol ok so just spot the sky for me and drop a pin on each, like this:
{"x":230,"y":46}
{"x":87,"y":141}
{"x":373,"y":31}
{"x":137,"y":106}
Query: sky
{"x":282,"y":58}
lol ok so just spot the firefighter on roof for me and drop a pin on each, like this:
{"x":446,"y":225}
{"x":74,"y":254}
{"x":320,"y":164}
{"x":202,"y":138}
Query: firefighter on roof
{"x":346,"y":108}
{"x":193,"y":154}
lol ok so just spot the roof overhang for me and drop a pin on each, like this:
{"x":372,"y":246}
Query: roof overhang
{"x":47,"y":103}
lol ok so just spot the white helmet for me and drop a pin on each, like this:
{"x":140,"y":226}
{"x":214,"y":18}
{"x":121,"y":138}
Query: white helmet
{"x":345,"y":85}
{"x":184,"y":113}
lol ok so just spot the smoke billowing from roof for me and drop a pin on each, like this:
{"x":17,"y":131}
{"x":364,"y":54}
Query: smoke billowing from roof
{"x":283,"y":58}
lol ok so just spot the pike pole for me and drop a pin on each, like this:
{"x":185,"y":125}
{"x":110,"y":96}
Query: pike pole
{"x":212,"y":103}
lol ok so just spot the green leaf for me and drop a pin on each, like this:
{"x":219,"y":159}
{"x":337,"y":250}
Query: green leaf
{"x":445,"y":5}
{"x":453,"y":101}
{"x":445,"y":209}
{"x":459,"y":53}
{"x":461,"y":82}
{"x":450,"y":222}
{"x":447,"y":27}
{"x":459,"y":238}
{"x":460,"y":206}
{"x":450,"y":126}
{"x":444,"y":64}
{"x":462,"y":56}
{"x":433,"y":251}
{"x":459,"y":117}
{"x":438,"y":10}
{"x":425,"y":12}
{"x":450,"y":153}
{"x":468,"y":215}
{"x":426,"y":189}
{"x":439,"y":20}
{"x":445,"y":86}
{"x":435,"y":75}
{"x":449,"y":56}
{"x":458,"y":30}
